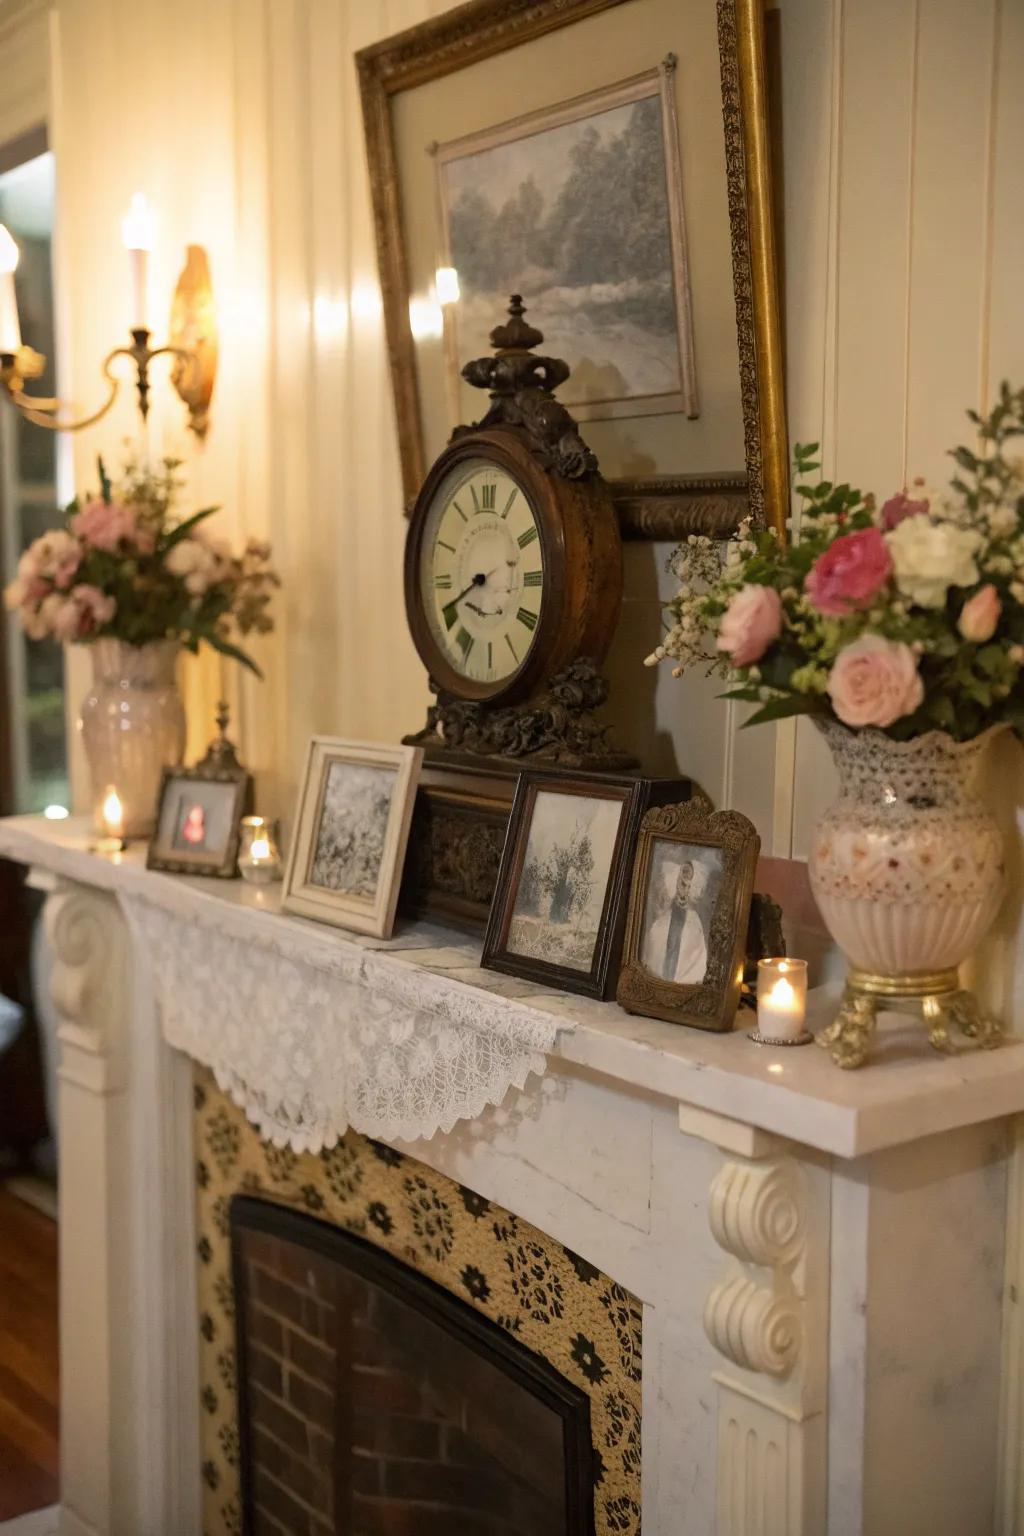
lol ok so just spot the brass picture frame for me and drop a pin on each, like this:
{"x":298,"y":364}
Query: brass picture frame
{"x":662,"y":506}
{"x":204,"y":784}
{"x":710,"y":1002}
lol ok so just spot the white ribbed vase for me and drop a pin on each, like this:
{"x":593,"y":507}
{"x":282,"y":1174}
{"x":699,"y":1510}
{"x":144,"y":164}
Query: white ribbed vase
{"x":133,"y":726}
{"x":907,"y":866}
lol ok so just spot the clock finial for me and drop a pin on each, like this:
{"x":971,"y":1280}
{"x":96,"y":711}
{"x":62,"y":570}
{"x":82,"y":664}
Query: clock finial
{"x":522,"y":385}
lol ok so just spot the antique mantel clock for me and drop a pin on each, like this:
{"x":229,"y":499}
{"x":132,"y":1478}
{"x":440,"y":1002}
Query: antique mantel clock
{"x":513,"y":570}
{"x":513,"y":584}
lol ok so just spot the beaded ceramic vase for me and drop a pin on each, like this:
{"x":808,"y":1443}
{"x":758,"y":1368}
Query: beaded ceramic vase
{"x":907,"y":869}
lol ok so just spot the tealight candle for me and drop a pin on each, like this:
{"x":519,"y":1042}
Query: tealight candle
{"x":782,"y":999}
{"x":110,"y":819}
{"x":259,"y":858}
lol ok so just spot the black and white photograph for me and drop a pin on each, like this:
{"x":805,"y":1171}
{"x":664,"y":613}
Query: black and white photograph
{"x":564,"y":881}
{"x":686,"y":932}
{"x":349,"y":848}
{"x":351,"y":829}
{"x":682,"y":889}
{"x":579,"y":207}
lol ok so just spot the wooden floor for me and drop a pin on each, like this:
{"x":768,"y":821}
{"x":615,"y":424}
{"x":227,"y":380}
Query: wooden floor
{"x":28,"y":1358}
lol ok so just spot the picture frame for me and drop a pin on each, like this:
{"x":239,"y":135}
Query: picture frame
{"x":198,"y":824}
{"x":657,"y":497}
{"x":351,"y":829}
{"x":686,"y":929}
{"x":559,"y":908}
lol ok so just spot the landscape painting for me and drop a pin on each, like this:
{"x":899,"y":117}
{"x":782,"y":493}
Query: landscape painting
{"x":348,"y":846}
{"x":558,"y":906}
{"x":579,"y":210}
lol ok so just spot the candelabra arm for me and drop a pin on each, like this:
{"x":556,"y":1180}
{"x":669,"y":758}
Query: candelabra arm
{"x":43,"y":410}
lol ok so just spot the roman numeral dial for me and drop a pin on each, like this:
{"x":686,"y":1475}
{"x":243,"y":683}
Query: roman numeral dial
{"x":481,"y":572}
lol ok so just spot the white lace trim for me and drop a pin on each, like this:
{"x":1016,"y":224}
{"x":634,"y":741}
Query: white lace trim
{"x":310,"y":1038}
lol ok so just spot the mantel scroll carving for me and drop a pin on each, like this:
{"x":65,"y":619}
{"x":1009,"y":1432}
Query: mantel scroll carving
{"x":87,"y":935}
{"x":758,"y":1213}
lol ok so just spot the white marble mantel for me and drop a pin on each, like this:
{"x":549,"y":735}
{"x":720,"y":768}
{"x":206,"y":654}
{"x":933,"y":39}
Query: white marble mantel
{"x":820,"y":1255}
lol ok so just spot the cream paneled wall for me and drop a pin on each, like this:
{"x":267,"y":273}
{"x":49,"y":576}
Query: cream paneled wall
{"x":904,"y":237}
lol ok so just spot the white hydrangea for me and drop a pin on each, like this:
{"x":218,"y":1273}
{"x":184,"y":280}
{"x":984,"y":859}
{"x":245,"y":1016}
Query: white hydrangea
{"x":929,"y":558}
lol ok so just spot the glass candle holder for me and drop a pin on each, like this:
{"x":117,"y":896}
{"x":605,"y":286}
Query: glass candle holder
{"x":782,"y":999}
{"x":259,"y":853}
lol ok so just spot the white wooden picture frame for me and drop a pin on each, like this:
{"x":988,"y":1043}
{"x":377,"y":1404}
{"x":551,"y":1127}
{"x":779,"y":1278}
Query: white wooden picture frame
{"x":351,"y":830}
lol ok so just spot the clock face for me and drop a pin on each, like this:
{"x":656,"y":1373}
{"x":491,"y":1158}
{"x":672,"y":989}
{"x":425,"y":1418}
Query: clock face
{"x":482,"y":571}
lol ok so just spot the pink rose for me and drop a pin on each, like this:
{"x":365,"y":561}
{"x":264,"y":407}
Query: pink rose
{"x":875,"y":682}
{"x":107,"y":524}
{"x":980,"y":615}
{"x":751,"y":622}
{"x":85,"y":611}
{"x":899,"y":507}
{"x":849,"y":573}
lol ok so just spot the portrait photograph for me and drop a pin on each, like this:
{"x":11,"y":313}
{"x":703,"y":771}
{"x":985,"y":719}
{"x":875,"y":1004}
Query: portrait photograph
{"x":351,"y":830}
{"x":682,"y":889}
{"x":580,"y":208}
{"x":686,"y":930}
{"x":198,"y":824}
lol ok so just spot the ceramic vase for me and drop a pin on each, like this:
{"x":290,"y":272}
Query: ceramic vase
{"x":133,"y":726}
{"x":907,"y":869}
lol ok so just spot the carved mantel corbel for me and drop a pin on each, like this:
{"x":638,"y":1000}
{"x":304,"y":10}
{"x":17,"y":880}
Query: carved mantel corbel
{"x":89,"y":985}
{"x":767,"y":1317}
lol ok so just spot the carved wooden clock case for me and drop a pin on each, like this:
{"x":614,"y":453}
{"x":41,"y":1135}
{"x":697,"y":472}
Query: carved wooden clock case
{"x":513,"y":585}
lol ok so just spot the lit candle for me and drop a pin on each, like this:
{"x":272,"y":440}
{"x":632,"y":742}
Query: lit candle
{"x":259,"y":860}
{"x":138,"y":228}
{"x":781,"y":999}
{"x":10,"y":329}
{"x":111,"y":823}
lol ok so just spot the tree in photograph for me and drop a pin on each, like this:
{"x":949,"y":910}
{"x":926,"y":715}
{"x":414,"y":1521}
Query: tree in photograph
{"x":568,"y":876}
{"x":530,"y":890}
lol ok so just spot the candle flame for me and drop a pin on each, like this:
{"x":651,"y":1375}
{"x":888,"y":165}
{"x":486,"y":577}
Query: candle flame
{"x":9,"y":252}
{"x":260,"y":848}
{"x":782,"y":994}
{"x":138,"y":227}
{"x":112,"y":813}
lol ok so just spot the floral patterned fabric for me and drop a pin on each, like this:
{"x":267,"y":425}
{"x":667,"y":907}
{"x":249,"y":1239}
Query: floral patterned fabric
{"x":559,"y":1306}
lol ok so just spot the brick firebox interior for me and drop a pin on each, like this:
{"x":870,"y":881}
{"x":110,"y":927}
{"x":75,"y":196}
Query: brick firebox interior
{"x":415,"y":1466}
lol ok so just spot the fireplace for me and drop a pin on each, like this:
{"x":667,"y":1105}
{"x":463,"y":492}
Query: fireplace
{"x":373,"y":1402}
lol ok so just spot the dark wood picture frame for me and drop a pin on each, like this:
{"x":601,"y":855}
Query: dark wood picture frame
{"x":664,"y":506}
{"x":635,"y":795}
{"x":711,"y":1003}
{"x":222,"y":865}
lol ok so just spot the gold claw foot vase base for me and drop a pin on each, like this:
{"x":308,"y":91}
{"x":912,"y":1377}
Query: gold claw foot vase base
{"x":945,"y":1007}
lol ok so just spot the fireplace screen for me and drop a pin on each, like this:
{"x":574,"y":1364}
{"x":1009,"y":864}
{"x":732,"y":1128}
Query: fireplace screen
{"x":374,"y":1403}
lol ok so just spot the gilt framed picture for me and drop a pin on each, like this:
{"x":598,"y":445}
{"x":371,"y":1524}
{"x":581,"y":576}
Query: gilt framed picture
{"x":198,"y":822}
{"x":351,"y":830}
{"x":608,"y":160}
{"x":559,"y":907}
{"x":686,"y":930}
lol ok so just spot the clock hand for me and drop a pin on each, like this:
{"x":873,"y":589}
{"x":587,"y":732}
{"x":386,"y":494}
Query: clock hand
{"x":450,"y":609}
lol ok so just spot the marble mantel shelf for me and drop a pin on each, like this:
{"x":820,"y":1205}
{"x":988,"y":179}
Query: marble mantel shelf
{"x":907,"y":1093}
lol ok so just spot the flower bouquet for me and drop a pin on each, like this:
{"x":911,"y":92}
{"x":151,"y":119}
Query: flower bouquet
{"x":124,"y":567}
{"x":899,"y":629}
{"x":125,"y":574}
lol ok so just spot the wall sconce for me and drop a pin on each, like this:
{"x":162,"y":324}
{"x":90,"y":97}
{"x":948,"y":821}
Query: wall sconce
{"x":192,"y":342}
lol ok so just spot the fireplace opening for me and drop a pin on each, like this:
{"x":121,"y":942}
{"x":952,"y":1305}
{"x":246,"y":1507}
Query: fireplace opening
{"x":372,"y":1402}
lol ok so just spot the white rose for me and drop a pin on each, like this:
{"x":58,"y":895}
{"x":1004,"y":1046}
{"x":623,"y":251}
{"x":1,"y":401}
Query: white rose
{"x":185,"y":556}
{"x":929,"y":558}
{"x":1002,"y":521}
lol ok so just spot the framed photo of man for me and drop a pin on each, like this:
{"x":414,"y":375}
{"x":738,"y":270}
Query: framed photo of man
{"x":687,"y":924}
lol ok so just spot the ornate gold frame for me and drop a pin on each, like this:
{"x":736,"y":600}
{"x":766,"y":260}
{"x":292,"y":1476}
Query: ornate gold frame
{"x":479,"y":30}
{"x":712,"y":1003}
